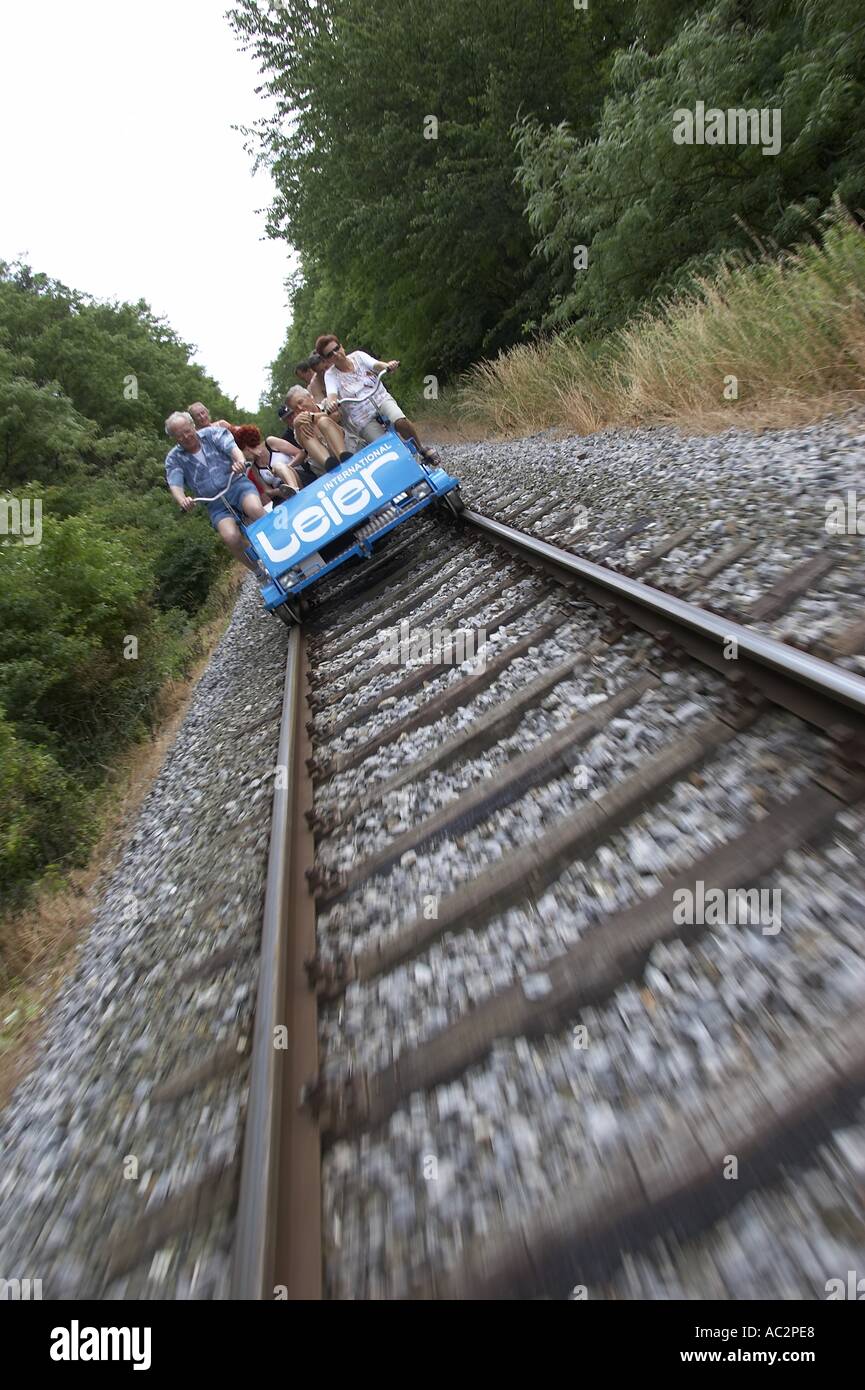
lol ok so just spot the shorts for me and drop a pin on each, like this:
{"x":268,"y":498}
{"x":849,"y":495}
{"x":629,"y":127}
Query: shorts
{"x":239,"y":489}
{"x":385,"y":406}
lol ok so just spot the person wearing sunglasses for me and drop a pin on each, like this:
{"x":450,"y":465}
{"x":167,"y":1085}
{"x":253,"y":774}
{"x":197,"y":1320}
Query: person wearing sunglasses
{"x":355,"y":374}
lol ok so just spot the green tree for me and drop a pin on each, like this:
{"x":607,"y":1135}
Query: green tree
{"x":652,"y":212}
{"x":122,"y":367}
{"x":41,"y":432}
{"x":97,"y":614}
{"x":41,"y":811}
{"x":413,"y":246}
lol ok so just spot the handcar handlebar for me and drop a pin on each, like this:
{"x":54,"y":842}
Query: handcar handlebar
{"x":234,"y":477}
{"x":218,"y":495}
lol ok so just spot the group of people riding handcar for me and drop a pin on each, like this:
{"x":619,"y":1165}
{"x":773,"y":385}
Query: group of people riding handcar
{"x":340,"y":406}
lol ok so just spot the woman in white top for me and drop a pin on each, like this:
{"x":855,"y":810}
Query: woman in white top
{"x":354,"y":374}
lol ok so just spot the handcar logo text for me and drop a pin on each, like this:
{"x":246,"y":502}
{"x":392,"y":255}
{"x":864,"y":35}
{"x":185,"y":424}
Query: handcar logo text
{"x":351,"y":496}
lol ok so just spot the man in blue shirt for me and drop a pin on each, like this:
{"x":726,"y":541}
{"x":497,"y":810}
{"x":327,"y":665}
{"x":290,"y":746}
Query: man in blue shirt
{"x":206,"y":462}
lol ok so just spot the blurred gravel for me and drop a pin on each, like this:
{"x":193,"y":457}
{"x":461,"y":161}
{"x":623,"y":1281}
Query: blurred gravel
{"x":514,"y":1132}
{"x":715,"y":804}
{"x":190,"y":882}
{"x":772,"y":490}
{"x":478,"y":1155}
{"x":539,"y":1117}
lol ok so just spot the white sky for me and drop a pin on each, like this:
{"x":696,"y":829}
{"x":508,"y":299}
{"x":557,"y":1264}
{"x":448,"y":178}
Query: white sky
{"x":121,"y":175}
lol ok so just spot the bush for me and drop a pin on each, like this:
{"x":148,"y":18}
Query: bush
{"x":43,"y":815}
{"x":97,"y":616}
{"x":790,"y":330}
{"x":66,"y":609}
{"x":185,"y":569}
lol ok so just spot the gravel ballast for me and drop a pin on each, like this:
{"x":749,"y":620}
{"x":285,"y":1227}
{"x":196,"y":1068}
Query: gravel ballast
{"x":89,"y":1148}
{"x":776,"y":490}
{"x":190,"y":882}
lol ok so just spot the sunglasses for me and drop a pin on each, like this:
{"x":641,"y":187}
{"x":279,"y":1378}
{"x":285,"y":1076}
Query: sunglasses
{"x":331,"y":353}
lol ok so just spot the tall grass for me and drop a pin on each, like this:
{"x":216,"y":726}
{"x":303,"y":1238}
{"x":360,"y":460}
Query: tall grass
{"x":769,"y":342}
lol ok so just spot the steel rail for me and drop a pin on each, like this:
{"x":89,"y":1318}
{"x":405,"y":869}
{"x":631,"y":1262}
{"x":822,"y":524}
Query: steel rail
{"x":260,"y":1217}
{"x":277,"y":1244}
{"x":829,"y":680}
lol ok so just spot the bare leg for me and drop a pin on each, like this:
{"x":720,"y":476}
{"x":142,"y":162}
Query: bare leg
{"x":229,"y":532}
{"x":286,"y":473}
{"x":331,"y":435}
{"x":307,"y":436}
{"x":406,"y":430}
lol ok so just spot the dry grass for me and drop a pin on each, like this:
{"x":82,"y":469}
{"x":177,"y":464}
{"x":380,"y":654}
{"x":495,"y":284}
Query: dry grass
{"x":40,"y":941}
{"x":439,"y":429}
{"x":789,"y":330}
{"x":442,"y":421}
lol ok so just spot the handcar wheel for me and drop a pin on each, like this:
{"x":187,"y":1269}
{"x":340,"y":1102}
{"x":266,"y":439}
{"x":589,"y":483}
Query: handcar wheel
{"x":288,"y":613}
{"x":455,"y":502}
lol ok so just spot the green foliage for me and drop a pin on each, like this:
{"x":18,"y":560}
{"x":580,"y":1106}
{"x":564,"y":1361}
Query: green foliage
{"x":91,"y":352}
{"x":183,"y":576}
{"x":410,"y":246}
{"x":96,"y":616}
{"x":655,"y":214}
{"x":669,"y":365}
{"x":65,"y":607}
{"x":555,"y":130}
{"x":41,"y":811}
{"x":41,"y":433}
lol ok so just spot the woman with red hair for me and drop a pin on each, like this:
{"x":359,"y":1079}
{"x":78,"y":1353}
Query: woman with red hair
{"x":276,"y":478}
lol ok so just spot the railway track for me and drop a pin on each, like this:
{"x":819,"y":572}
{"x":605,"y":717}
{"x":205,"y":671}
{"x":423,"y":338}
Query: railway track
{"x":503,"y":1047}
